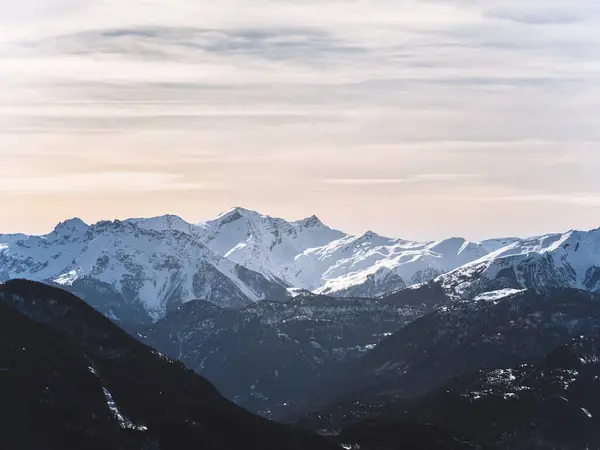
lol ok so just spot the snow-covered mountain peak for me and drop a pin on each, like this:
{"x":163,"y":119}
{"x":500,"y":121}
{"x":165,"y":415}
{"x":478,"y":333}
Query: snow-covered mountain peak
{"x":70,"y":228}
{"x":236,"y":213}
{"x":112,"y":226}
{"x":450,"y":245}
{"x":245,"y":211}
{"x":312,"y":221}
{"x":167,"y":222}
{"x":300,"y":255}
{"x":560,"y":260}
{"x":259,"y":220}
{"x":268,"y":245}
{"x":368,"y":235}
{"x":134,"y":264}
{"x":373,"y":238}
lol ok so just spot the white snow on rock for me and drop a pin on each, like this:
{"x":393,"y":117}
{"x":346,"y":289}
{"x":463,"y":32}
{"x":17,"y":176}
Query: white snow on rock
{"x":124,"y":422}
{"x":152,"y":267}
{"x":308,"y":255}
{"x":268,"y":245}
{"x":567,"y":260}
{"x":165,"y":259}
{"x":500,"y":294}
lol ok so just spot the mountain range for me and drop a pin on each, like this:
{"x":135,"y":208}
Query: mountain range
{"x":131,"y":272}
{"x":137,"y":270}
{"x":378,"y":343}
{"x":517,"y":371}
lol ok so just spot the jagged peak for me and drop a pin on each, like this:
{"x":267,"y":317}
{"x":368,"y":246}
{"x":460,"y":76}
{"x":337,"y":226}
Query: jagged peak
{"x":244,"y":211}
{"x":164,"y":222}
{"x":104,"y":226}
{"x":167,"y":217}
{"x":236,"y":213}
{"x":70,"y":226}
{"x":369,"y":235}
{"x":312,"y":221}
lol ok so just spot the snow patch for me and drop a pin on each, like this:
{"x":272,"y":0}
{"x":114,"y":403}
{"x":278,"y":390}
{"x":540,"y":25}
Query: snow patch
{"x":114,"y":409}
{"x":494,"y":296}
{"x":67,"y":279}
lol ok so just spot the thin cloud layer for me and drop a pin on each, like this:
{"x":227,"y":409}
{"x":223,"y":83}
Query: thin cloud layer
{"x":465,"y":113}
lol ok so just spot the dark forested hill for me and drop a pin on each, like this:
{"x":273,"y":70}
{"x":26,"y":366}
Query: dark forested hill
{"x":71,"y":379}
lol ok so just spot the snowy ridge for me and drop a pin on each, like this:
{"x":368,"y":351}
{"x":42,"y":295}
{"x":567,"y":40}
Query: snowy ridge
{"x":157,"y":269}
{"x":308,"y":255}
{"x":243,"y":256}
{"x":495,"y":296}
{"x":265,"y":244}
{"x":567,"y":260}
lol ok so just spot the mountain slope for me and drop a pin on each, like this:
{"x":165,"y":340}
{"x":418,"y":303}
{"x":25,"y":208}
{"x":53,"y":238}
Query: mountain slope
{"x":51,"y":399}
{"x":71,"y":379}
{"x":268,"y":353}
{"x":500,"y":330}
{"x":145,"y":267}
{"x":372,"y":265}
{"x":553,"y":403}
{"x":550,"y":403}
{"x":266,"y":244}
{"x":308,"y":255}
{"x":139,"y":269}
{"x":568,"y":260}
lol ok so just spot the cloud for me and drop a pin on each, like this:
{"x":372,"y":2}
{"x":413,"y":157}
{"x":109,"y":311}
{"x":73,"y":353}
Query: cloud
{"x":194,"y":44}
{"x":425,"y":177}
{"x":417,"y":178}
{"x":568,"y":198}
{"x":99,"y":182}
{"x":444,"y":99}
{"x":363,"y":181}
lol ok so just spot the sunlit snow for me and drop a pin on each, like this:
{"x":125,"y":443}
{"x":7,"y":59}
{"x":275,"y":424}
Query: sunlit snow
{"x":493,"y":296}
{"x":114,"y":409}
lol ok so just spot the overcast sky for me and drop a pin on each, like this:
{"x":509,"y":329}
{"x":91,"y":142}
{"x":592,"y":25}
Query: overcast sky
{"x":418,"y":119}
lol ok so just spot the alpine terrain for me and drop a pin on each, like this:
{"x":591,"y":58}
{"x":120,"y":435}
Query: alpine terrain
{"x":374,"y":341}
{"x":139,"y":269}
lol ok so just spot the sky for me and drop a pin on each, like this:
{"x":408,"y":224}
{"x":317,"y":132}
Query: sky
{"x":419,"y":119}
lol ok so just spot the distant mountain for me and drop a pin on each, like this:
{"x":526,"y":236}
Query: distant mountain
{"x":269,"y":353}
{"x":71,"y":379}
{"x":371,"y":265}
{"x":138,"y":269}
{"x":308,"y":255}
{"x":142,"y":268}
{"x":568,"y":260}
{"x":130,"y":272}
{"x":268,"y":245}
{"x":502,"y":329}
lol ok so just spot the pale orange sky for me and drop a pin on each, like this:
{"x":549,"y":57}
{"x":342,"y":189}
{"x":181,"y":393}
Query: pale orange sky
{"x":414,"y":119}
